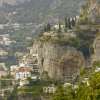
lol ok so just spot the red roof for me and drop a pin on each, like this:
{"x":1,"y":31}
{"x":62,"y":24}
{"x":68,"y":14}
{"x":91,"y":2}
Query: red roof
{"x":24,"y":69}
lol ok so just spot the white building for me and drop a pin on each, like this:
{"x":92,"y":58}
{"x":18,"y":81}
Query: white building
{"x":13,"y":69}
{"x":3,"y":70}
{"x":49,"y":89}
{"x":97,"y":70}
{"x":5,"y":40}
{"x":23,"y":82}
{"x":23,"y":73}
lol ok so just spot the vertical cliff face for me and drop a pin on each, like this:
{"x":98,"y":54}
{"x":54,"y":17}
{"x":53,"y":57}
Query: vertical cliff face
{"x":57,"y":60}
{"x":96,"y":46}
{"x":94,"y":10}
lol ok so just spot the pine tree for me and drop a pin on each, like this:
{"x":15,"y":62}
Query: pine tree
{"x":73,"y":22}
{"x":69,"y":24}
{"x":47,"y":28}
{"x":59,"y":30}
{"x":66,"y":22}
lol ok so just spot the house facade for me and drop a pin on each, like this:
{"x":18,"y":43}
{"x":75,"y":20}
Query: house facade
{"x":23,"y":73}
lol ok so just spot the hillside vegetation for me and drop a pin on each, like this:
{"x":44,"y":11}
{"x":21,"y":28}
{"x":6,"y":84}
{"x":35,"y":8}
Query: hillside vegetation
{"x":42,"y":10}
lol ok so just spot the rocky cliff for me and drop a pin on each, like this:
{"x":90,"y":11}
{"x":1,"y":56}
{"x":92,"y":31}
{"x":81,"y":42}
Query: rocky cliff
{"x":58,"y":60}
{"x":96,"y":46}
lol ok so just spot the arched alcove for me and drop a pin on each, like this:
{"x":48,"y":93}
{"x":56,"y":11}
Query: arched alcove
{"x":71,"y":64}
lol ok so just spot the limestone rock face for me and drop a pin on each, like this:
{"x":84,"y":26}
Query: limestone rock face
{"x":94,"y":11}
{"x":96,"y":46}
{"x":58,"y":60}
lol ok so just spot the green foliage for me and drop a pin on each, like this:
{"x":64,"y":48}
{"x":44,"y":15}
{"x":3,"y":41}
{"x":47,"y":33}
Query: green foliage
{"x":90,"y":91}
{"x":59,"y":30}
{"x":84,"y":15}
{"x":47,"y":28}
{"x":44,"y":10}
{"x":66,"y":23}
{"x":45,"y":38}
{"x":13,"y":95}
{"x":62,"y":40}
{"x":45,"y":76}
{"x":83,"y":92}
{"x":34,"y":88}
{"x":75,"y":42}
{"x":95,"y":81}
{"x":82,"y":72}
{"x":96,"y":64}
{"x":64,"y":93}
{"x":5,"y":84}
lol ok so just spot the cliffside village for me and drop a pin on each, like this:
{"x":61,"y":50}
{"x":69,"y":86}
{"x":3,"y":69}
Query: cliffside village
{"x":28,"y":66}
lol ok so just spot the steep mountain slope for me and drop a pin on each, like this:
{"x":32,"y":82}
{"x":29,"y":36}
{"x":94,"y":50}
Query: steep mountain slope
{"x":12,"y":2}
{"x":40,"y":10}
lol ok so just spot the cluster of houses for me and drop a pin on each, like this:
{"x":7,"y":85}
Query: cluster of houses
{"x":15,"y":26}
{"x":3,"y":70}
{"x":5,"y":43}
{"x":3,"y":53}
{"x":20,"y":72}
{"x":5,"y":40}
{"x":27,"y":68}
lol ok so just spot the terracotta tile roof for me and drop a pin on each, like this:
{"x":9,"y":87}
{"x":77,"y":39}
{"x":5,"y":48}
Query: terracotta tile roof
{"x":24,"y":69}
